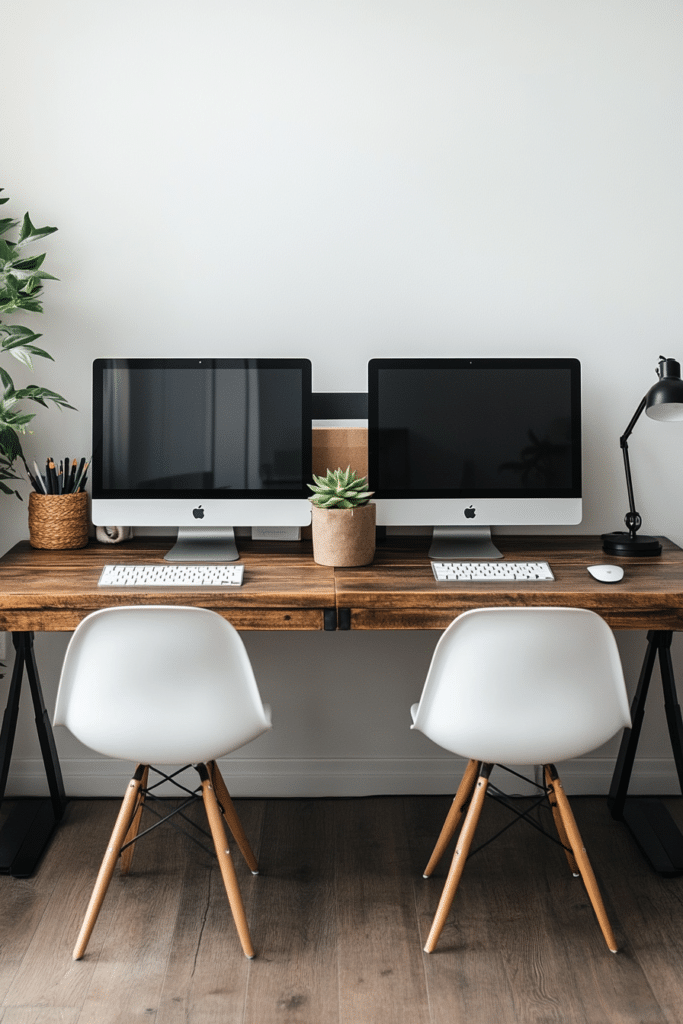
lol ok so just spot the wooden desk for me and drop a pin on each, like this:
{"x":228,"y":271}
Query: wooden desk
{"x":285,"y":589}
{"x":398,"y":591}
{"x":52,"y":591}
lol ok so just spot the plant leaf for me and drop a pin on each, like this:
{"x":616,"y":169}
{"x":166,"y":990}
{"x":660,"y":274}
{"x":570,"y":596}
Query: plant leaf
{"x":29,"y":233}
{"x":10,"y":446}
{"x":22,"y":354}
{"x":28,"y":263}
{"x":6,"y":251}
{"x":36,"y":394}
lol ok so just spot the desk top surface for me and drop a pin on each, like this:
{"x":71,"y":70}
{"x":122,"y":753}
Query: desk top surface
{"x":53,"y":590}
{"x":398,"y":590}
{"x":285,"y":589}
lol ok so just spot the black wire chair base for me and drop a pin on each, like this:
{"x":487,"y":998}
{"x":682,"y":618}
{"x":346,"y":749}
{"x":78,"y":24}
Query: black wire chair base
{"x":542,"y":802}
{"x":194,"y":796}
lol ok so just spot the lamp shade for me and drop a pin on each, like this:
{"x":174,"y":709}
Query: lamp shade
{"x":664,"y":400}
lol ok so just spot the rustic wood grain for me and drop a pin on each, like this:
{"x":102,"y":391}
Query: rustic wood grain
{"x":650,"y":908}
{"x":39,"y":1015}
{"x":398,"y":590}
{"x":466,"y":978}
{"x":381,"y":972}
{"x":283,"y":587}
{"x":45,"y":975}
{"x":127,"y":978}
{"x":342,"y":897}
{"x":294,"y":977}
{"x":207,"y":976}
{"x":522,"y":942}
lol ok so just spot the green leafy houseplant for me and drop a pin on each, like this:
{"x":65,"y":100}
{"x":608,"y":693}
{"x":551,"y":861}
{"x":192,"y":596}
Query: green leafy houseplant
{"x":21,"y":285}
{"x":341,"y":488}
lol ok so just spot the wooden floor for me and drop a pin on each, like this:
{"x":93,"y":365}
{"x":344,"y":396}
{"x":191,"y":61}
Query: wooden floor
{"x":339,"y":916}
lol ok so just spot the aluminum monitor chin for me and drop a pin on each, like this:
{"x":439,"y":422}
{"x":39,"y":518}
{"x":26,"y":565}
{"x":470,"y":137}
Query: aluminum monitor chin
{"x":466,"y":444}
{"x":204,"y":445}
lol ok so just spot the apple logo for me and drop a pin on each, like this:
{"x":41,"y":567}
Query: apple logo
{"x":470,"y":512}
{"x":198,"y":512}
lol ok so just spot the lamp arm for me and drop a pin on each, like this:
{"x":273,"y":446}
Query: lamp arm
{"x":632,"y":518}
{"x":636,"y":416}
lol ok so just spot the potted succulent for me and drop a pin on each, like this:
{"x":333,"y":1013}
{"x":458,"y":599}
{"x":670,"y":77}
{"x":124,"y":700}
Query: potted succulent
{"x":343,"y":519}
{"x":21,"y":284}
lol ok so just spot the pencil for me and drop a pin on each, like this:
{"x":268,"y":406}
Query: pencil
{"x":40,"y":479}
{"x":80,"y":477}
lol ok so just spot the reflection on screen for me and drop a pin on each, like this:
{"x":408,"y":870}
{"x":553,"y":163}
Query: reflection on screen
{"x":476,"y":430}
{"x":217,"y":428}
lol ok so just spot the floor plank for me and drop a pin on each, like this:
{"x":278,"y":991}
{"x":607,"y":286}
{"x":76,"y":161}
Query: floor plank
{"x":294,"y":977}
{"x":339,"y":917}
{"x":207,"y":976}
{"x":524,"y":937}
{"x":381,"y":974}
{"x":466,"y":976}
{"x":557,"y":961}
{"x":39,"y":1015}
{"x":47,"y":975}
{"x":651,"y":912}
{"x":127,"y":971}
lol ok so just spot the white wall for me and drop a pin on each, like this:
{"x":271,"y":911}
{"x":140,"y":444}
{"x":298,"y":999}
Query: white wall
{"x":342,"y":179}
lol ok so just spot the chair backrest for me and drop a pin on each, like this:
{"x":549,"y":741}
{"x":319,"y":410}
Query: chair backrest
{"x":159,"y":685}
{"x":524,"y":686}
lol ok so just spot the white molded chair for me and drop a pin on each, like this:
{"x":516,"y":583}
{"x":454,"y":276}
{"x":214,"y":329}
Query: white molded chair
{"x":163,"y":685}
{"x":520,"y":686}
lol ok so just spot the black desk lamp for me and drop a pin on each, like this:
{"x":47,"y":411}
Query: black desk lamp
{"x":664,"y":401}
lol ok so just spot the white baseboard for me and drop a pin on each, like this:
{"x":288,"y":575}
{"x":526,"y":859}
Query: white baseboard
{"x":319,"y":777}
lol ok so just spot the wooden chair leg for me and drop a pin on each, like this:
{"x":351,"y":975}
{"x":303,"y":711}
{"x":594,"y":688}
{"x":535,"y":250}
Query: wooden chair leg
{"x":106,"y":871}
{"x":227,"y":867}
{"x":231,"y":817}
{"x":559,"y":825}
{"x":131,"y":835}
{"x":584,"y":865}
{"x":459,"y":857}
{"x":454,"y":815}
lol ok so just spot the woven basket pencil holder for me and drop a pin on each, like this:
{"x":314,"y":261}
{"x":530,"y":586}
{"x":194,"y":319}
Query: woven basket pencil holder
{"x":58,"y":520}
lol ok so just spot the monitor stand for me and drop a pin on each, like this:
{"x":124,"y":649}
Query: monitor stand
{"x":462,"y":543}
{"x":204,"y":544}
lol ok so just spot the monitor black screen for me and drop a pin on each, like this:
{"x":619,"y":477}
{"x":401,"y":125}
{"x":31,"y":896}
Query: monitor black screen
{"x":474,"y":428}
{"x":201,"y":428}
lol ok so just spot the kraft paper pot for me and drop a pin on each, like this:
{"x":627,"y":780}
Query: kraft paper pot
{"x":343,"y":536}
{"x":58,"y":521}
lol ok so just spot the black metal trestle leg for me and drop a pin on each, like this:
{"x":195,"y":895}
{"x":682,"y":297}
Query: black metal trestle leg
{"x":647,"y":819}
{"x":31,"y":823}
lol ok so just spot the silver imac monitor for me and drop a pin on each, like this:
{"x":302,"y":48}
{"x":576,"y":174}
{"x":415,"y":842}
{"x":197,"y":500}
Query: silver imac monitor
{"x":462,"y":445}
{"x":203,"y":445}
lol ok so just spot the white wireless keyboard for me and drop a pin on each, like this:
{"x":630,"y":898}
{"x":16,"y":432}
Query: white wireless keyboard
{"x":491,"y":572}
{"x":171,"y":576}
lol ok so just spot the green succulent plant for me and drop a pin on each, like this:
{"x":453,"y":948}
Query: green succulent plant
{"x":341,"y":488}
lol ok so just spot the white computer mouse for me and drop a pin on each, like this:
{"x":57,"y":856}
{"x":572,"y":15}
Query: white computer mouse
{"x":606,"y":573}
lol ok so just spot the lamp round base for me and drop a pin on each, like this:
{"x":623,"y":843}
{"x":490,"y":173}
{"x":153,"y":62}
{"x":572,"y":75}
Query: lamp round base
{"x":620,"y":543}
